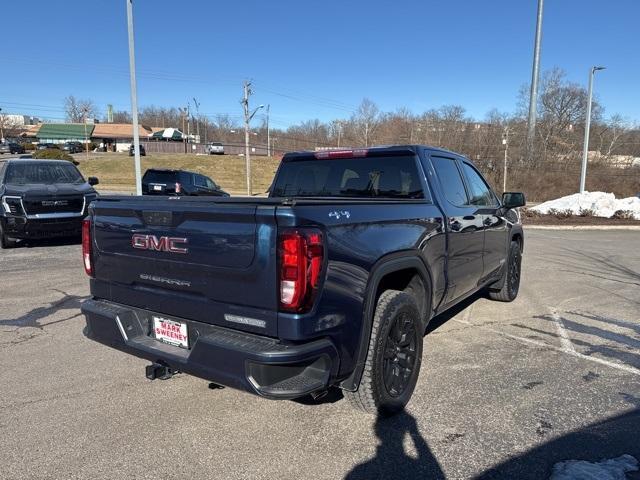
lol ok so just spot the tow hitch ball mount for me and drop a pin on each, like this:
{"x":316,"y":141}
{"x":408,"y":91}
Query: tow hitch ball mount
{"x":162,"y":372}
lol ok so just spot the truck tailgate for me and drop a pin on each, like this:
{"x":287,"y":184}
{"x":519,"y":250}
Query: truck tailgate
{"x":202,"y":260}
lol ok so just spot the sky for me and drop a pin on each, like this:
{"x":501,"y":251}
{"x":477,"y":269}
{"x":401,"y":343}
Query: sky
{"x":313,"y":59}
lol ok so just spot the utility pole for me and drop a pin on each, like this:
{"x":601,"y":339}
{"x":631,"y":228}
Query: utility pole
{"x":505,"y":142}
{"x":268,"y":133}
{"x":134,"y":98}
{"x":587,"y":127}
{"x":535,"y":75}
{"x":247,"y":92}
{"x":85,"y":110}
{"x":188,"y":122}
{"x":247,"y":160}
{"x":195,"y":102}
{"x":1,"y":127}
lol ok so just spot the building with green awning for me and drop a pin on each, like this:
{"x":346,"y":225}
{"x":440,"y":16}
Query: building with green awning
{"x":64,"y":132}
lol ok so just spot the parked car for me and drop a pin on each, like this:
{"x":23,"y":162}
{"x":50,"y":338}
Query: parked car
{"x":11,"y":147}
{"x":143,"y":152}
{"x":215,"y":148}
{"x":45,"y":146}
{"x":331,"y":281}
{"x":42,"y":198}
{"x":72,"y":147}
{"x":158,"y":181}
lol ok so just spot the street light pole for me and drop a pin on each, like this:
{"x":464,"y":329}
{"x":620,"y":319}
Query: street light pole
{"x":134,"y":98}
{"x":587,"y":127}
{"x":268,"y":133}
{"x":533,"y":96}
{"x":505,"y":142}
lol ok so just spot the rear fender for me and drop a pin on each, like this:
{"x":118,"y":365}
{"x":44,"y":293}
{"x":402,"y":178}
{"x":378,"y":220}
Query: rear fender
{"x":391,"y":263}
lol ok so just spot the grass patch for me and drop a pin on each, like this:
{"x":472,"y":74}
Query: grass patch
{"x":116,"y":171}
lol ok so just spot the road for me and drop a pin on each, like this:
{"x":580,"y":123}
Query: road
{"x":506,"y":390}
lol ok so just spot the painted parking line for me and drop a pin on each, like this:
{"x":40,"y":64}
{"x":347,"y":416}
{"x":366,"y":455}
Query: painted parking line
{"x":562,"y":349}
{"x":565,"y":341}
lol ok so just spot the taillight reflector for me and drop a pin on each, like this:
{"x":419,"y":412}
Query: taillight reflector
{"x":87,"y":258}
{"x":328,"y":154}
{"x":301,"y":254}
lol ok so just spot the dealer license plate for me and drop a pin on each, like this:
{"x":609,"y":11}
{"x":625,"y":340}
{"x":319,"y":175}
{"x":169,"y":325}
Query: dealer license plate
{"x":171,"y":332}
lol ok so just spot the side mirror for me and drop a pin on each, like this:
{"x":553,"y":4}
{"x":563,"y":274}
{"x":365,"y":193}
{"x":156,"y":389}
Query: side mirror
{"x":93,"y":181}
{"x":513,"y":200}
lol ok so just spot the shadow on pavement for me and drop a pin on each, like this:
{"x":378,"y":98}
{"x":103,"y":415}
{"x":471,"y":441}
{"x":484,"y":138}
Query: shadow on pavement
{"x":609,"y":438}
{"x":439,"y":320}
{"x":34,"y":317}
{"x":50,"y":242}
{"x":391,"y":460}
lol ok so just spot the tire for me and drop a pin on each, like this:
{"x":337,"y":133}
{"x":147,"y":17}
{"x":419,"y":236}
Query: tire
{"x":394,"y":357}
{"x":509,"y":290}
{"x":5,"y":242}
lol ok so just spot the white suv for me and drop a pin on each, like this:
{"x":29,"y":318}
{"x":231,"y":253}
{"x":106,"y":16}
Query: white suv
{"x":215,"y":148}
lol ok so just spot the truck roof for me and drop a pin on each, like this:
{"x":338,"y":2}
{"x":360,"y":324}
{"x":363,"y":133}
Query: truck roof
{"x":376,"y":149}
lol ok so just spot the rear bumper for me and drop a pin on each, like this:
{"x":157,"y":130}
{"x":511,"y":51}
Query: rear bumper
{"x":25,"y":229}
{"x":227,"y":357}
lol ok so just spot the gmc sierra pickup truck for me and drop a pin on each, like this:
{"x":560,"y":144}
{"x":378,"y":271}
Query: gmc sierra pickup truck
{"x":328,"y":282}
{"x":42,"y":199}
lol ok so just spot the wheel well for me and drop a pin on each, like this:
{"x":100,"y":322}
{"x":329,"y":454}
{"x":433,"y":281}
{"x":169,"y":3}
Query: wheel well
{"x":518,"y":238}
{"x":409,"y":281}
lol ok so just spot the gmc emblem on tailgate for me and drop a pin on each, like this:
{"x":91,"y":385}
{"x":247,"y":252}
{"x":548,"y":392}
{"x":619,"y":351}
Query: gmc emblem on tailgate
{"x":159,"y":244}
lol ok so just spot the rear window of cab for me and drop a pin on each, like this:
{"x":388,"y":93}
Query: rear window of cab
{"x":370,"y":177}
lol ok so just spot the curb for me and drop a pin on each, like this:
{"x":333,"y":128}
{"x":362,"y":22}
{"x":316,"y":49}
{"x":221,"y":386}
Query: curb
{"x":582,"y":227}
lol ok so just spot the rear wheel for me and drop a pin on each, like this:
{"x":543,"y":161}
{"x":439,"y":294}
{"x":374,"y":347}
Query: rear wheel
{"x":394,"y":357}
{"x":511,"y":286}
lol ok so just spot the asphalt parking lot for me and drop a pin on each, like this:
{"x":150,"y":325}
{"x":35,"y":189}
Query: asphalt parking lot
{"x":505,"y":391}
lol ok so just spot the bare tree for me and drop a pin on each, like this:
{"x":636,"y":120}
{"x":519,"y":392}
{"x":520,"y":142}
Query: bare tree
{"x":122,"y":116}
{"x":366,"y":121}
{"x":8,"y":126}
{"x":562,"y":109}
{"x":611,"y":133}
{"x":78,"y":110}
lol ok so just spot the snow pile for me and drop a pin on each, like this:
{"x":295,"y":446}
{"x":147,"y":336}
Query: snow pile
{"x":612,"y":469}
{"x":603,"y":204}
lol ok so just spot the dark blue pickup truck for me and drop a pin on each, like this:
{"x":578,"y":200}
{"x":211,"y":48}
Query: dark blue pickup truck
{"x":330,"y":281}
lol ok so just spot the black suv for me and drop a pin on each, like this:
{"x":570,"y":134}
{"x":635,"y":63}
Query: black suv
{"x":11,"y":148}
{"x":179,"y":182}
{"x":72,"y":147}
{"x":46,"y":146}
{"x":41,"y":199}
{"x":143,"y":152}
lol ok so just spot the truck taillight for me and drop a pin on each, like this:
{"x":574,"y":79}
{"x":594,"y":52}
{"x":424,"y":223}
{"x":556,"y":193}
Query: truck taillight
{"x":87,"y":257}
{"x":301,"y":255}
{"x":178,"y":188}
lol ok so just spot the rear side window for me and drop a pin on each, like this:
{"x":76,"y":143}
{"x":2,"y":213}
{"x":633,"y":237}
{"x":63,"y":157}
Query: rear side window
{"x":479,"y":190}
{"x":450,"y":179}
{"x":155,"y":176}
{"x":369,"y":177}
